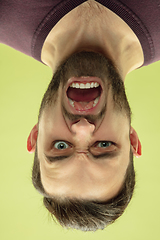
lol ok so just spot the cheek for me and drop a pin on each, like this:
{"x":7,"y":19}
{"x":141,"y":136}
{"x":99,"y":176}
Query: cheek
{"x":52,"y":129}
{"x":114,"y":128}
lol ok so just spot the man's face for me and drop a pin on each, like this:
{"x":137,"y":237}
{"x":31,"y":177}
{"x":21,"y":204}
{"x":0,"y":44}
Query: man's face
{"x":83,"y":145}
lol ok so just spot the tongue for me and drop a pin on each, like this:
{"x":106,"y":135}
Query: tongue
{"x":83,"y":105}
{"x":83,"y":95}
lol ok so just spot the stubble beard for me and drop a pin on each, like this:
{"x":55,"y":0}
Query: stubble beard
{"x":88,"y":64}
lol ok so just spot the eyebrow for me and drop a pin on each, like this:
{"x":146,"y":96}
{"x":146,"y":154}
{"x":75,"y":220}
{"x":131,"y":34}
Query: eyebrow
{"x":107,"y":155}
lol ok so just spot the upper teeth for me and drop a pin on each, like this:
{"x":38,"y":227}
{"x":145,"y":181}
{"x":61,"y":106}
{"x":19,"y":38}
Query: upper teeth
{"x":84,"y":85}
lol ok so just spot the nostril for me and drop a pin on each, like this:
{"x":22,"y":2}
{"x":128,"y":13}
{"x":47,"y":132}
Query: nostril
{"x":76,"y":121}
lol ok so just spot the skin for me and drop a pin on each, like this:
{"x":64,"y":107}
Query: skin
{"x":81,"y":175}
{"x":97,"y":29}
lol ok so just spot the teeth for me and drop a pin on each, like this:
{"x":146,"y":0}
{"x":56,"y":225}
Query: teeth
{"x":88,"y":85}
{"x":92,"y":84}
{"x":95,"y":101}
{"x":71,"y":102}
{"x":84,"y":85}
{"x":77,"y":85}
{"x":96,"y":84}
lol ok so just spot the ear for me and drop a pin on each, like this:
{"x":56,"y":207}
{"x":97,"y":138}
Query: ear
{"x":32,"y":139}
{"x":135,"y":143}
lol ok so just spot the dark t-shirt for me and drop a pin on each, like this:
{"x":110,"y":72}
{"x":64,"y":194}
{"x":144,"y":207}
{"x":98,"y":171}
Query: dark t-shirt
{"x":25,"y":24}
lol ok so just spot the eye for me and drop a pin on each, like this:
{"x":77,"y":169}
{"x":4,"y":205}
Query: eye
{"x":61,"y":145}
{"x":104,"y":144}
{"x":102,"y":147}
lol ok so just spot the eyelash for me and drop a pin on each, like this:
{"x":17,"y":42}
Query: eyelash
{"x":61,"y":143}
{"x":94,"y":145}
{"x":99,"y":142}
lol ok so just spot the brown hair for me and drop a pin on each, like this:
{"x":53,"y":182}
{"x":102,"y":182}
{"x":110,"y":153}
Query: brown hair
{"x":77,"y":213}
{"x":86,"y":215}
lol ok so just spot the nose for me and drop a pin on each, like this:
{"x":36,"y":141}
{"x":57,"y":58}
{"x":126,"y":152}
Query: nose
{"x":83,"y":129}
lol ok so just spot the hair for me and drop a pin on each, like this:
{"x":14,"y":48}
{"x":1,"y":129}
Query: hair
{"x":86,"y":215}
{"x":106,"y":67}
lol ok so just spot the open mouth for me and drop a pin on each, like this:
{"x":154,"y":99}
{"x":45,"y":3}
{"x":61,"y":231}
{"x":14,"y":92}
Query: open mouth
{"x":84,"y":95}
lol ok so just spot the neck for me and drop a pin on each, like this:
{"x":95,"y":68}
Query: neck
{"x":97,"y":29}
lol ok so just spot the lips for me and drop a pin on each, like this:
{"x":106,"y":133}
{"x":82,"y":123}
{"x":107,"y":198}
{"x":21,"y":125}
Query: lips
{"x":84,"y":93}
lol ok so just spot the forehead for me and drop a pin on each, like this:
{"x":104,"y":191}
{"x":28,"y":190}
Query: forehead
{"x":80,"y":178}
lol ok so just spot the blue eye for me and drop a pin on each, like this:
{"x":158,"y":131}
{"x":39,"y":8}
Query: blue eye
{"x":61,"y":145}
{"x":104,"y":144}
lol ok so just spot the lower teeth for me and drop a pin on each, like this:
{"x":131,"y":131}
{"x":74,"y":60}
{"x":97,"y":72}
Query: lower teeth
{"x":93,"y":104}
{"x":71,"y":102}
{"x":95,"y":101}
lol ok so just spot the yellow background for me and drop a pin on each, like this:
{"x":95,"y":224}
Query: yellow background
{"x":22,"y":215}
